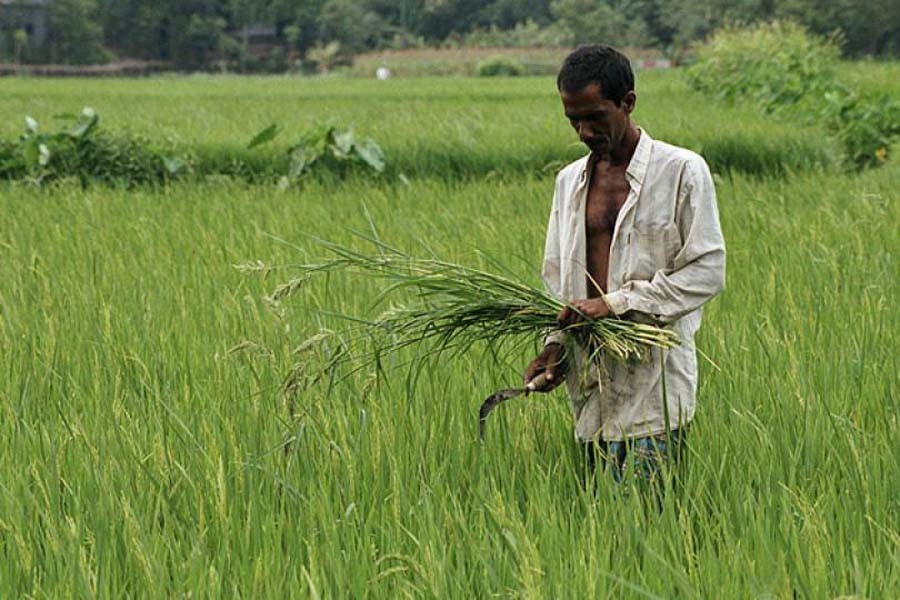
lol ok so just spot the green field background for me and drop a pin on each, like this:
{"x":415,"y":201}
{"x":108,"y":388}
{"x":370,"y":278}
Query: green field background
{"x":452,"y":127}
{"x":144,"y":458}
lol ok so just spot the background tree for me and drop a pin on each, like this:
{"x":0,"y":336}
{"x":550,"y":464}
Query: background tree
{"x":76,"y":34}
{"x":506,"y":14}
{"x":352,"y":24}
{"x":20,"y":43}
{"x":868,"y":28}
{"x":204,"y":36}
{"x":441,"y":18}
{"x":615,"y":22}
{"x":189,"y":34}
{"x":302,"y":17}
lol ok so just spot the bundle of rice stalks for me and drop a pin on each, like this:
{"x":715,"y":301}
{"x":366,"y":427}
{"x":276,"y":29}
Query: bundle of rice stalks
{"x":456,"y":306}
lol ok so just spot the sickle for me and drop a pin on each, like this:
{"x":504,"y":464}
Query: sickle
{"x":502,"y":396}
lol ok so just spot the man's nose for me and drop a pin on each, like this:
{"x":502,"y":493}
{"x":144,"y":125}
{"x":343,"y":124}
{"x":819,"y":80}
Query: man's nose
{"x":584,"y":131}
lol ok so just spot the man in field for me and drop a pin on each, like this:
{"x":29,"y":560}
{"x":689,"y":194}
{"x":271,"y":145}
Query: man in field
{"x":634,"y":233}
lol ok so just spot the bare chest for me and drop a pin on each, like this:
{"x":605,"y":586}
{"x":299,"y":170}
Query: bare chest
{"x":606,"y":196}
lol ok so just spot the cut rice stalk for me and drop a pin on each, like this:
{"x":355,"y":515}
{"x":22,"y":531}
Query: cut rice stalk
{"x":457,"y":306}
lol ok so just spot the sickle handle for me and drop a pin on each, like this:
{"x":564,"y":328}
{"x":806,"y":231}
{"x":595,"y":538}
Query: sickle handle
{"x":537,"y":382}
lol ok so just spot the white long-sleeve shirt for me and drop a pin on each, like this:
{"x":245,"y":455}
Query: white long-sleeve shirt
{"x":667,"y":258}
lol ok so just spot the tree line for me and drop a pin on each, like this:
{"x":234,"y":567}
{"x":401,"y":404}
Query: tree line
{"x":277,"y":35}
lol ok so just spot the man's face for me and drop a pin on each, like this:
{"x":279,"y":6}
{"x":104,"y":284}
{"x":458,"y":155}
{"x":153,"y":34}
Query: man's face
{"x":600,"y":123}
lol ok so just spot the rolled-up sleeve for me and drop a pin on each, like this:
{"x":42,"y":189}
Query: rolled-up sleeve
{"x":698,"y":271}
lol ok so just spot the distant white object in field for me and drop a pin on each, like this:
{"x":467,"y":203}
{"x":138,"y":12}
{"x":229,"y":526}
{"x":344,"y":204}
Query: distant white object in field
{"x":382,"y":73}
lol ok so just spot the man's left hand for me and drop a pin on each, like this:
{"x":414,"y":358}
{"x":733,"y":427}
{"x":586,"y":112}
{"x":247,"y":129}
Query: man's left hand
{"x":590,"y":308}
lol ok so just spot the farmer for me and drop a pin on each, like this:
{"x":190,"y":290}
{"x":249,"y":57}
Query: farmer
{"x":633,"y":233}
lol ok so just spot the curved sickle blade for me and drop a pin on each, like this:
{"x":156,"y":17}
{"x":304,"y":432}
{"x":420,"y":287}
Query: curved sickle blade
{"x":502,"y":396}
{"x":491,"y":402}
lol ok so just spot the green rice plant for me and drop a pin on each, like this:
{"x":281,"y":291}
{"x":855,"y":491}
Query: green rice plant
{"x":457,"y":306}
{"x":213,"y":122}
{"x":141,"y":458}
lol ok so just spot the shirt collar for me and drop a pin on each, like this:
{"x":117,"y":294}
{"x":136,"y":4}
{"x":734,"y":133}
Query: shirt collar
{"x":637,"y":166}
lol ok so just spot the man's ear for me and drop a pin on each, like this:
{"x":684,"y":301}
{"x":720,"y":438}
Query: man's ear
{"x":629,"y":100}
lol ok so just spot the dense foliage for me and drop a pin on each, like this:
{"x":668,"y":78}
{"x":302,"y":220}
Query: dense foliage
{"x":253,"y":35}
{"x":773,"y":65}
{"x":79,"y":150}
{"x":781,"y":68}
{"x":494,"y":66}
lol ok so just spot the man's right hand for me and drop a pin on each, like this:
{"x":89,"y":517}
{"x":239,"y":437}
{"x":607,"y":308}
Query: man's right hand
{"x":550,"y":363}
